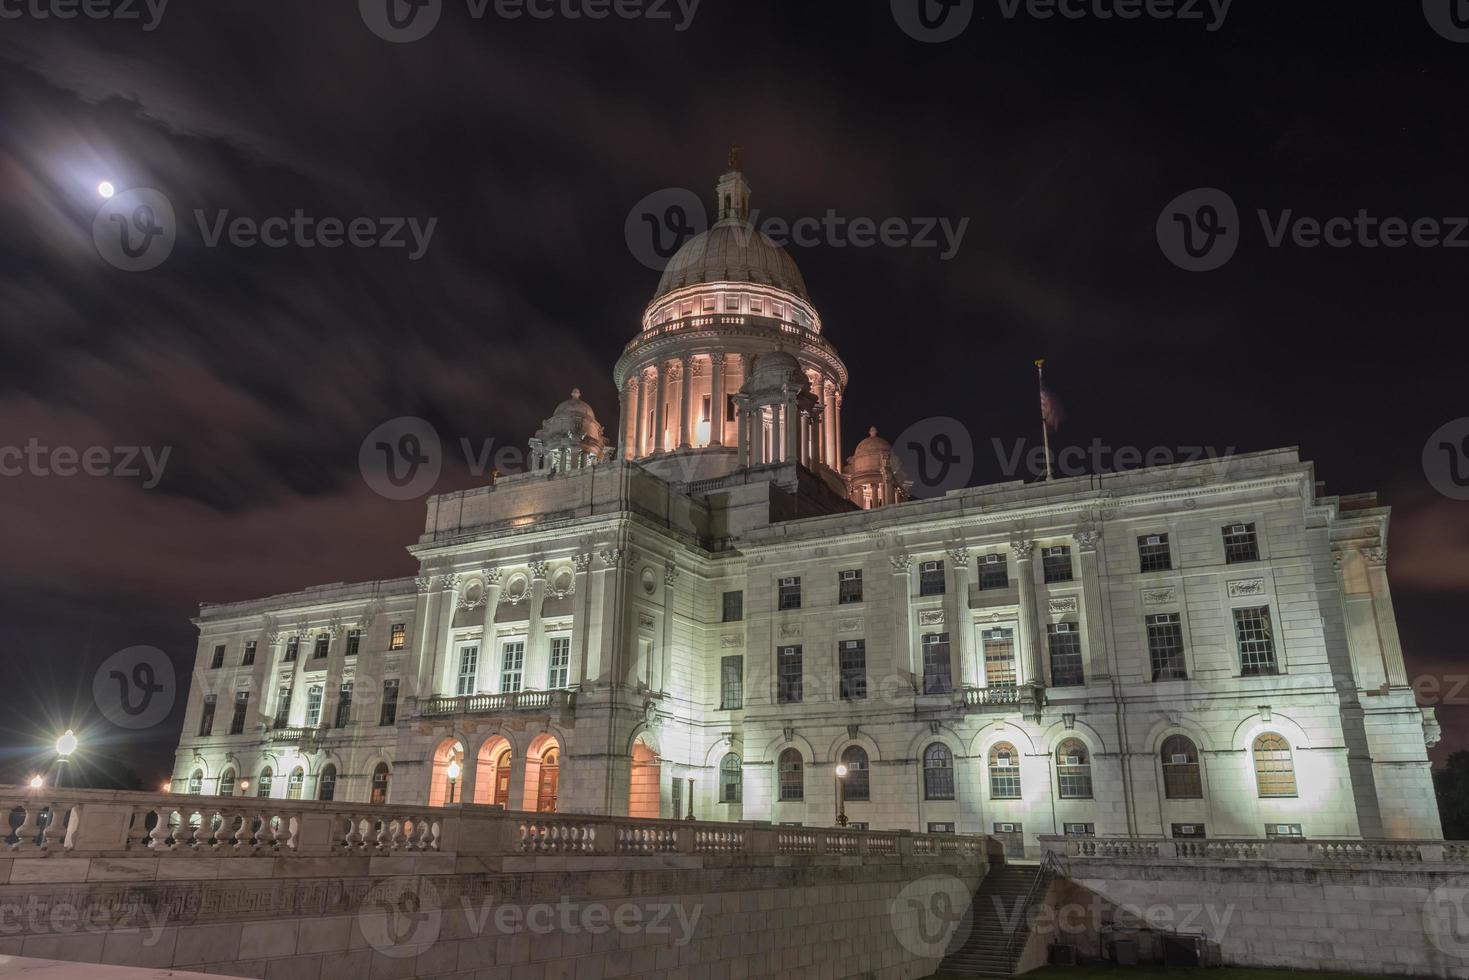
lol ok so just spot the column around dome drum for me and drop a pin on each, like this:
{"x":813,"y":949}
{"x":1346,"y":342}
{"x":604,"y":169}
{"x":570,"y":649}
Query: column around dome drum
{"x":639,"y":425}
{"x":716,"y":398}
{"x":660,"y":411}
{"x":686,"y":403}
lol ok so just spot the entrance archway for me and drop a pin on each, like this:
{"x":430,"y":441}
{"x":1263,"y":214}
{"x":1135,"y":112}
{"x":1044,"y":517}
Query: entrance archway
{"x":542,"y":774}
{"x":642,"y":793}
{"x":492,"y":772}
{"x":448,"y":773}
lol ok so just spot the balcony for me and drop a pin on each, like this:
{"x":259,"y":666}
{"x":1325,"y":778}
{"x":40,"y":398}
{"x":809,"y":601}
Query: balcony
{"x":560,"y":701}
{"x":307,"y":737}
{"x":990,"y":697}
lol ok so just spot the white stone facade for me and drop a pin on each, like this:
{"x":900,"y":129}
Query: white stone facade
{"x":602,"y":593}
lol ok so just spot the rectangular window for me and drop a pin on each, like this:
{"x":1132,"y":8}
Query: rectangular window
{"x":248,"y":657}
{"x":849,"y":587}
{"x":994,"y":572}
{"x":206,"y":720}
{"x":283,"y":708}
{"x":512,"y":663}
{"x":1240,"y":543}
{"x":1279,"y":830}
{"x":731,"y":683}
{"x":1065,"y":646}
{"x":1188,"y":831}
{"x":389,"y":713}
{"x":242,"y":705}
{"x":734,"y":606}
{"x":1165,"y":647}
{"x":323,"y":643}
{"x":1256,"y":637}
{"x":468,"y":681}
{"x":1004,"y":777}
{"x":789,"y":593}
{"x":940,"y":828}
{"x":293,"y":646}
{"x":999,"y":657}
{"x":931,"y":578}
{"x":217,"y":661}
{"x":398,"y":636}
{"x":937,"y":677}
{"x":788,"y":675}
{"x":729,"y":407}
{"x":852,"y":661}
{"x":560,"y":663}
{"x":1056,"y":563}
{"x":675,"y":798}
{"x":704,"y":409}
{"x":344,"y":705}
{"x":1079,"y":829}
{"x":354,"y":642}
{"x":313,"y":706}
{"x":1153,"y":554}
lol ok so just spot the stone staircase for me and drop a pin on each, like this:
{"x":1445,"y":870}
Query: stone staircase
{"x":999,"y":920}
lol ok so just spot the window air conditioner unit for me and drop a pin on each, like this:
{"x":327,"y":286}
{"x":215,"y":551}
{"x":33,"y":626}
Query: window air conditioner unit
{"x":1186,"y":828}
{"x":1002,"y":762}
{"x":991,"y":559}
{"x":849,"y":576}
{"x":1004,"y":828}
{"x":1178,"y":760}
{"x":930,"y":566}
{"x":1155,"y":539}
{"x":1073,"y":760}
{"x":788,"y":581}
{"x":1065,"y":628}
{"x":1239,"y":529}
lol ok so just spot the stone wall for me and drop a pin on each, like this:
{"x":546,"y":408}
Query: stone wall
{"x":1375,"y":908}
{"x":317,"y":892}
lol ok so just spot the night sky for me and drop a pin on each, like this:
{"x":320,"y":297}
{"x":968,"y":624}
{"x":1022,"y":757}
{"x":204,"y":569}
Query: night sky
{"x":530,"y":141}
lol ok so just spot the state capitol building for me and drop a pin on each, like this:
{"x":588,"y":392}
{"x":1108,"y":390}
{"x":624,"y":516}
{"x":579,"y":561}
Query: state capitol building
{"x":712,"y":610}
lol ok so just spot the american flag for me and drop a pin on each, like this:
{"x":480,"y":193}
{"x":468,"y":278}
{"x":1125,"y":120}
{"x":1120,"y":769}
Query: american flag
{"x":1051,"y":411}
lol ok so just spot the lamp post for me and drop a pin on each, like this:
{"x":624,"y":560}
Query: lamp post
{"x":841,"y":772}
{"x":65,"y":746}
{"x":454,"y":770}
{"x":691,"y":799}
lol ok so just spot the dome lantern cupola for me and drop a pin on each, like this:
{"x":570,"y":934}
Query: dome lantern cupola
{"x":874,"y":474}
{"x":569,"y":439}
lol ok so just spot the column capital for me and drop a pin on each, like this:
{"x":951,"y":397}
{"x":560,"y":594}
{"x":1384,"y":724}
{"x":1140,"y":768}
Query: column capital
{"x":582,"y":562}
{"x":1087,"y":538}
{"x":539,"y":569}
{"x":900,"y":563}
{"x":960,"y":557}
{"x":1024,"y":548}
{"x":492,"y":574}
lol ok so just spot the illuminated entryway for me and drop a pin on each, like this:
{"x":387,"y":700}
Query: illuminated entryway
{"x":448,"y":773}
{"x":642,"y":794}
{"x":492,"y":772}
{"x":542,"y":774}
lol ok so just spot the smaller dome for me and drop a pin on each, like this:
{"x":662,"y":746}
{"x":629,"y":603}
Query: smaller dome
{"x":574,"y":406}
{"x":873,"y":447}
{"x":777,"y":365}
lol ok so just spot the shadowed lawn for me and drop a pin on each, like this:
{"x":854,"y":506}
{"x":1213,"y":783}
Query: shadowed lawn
{"x":1106,"y":971}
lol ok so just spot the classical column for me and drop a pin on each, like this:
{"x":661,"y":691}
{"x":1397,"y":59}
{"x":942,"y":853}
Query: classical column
{"x":686,"y":404}
{"x":424,"y":641}
{"x":716,"y":398}
{"x":640,"y":424}
{"x":902,"y":606}
{"x":819,"y":425}
{"x":742,"y":433}
{"x":792,"y":430}
{"x":1029,"y":630}
{"x":773,"y":455}
{"x":626,"y":406}
{"x":537,"y":661}
{"x":661,"y":657}
{"x":1095,"y":665}
{"x":836,"y":427}
{"x":491,"y":586}
{"x":443,"y":656}
{"x":581,"y":618}
{"x":829,"y":417}
{"x":660,"y":410}
{"x":958,"y":614}
{"x":266,"y":658}
{"x":1387,"y":620}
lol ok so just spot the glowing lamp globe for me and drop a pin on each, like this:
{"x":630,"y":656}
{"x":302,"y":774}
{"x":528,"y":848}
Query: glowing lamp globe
{"x":106,"y":189}
{"x":841,"y":771}
{"x":454,"y":770}
{"x":37,"y":782}
{"x":66,"y":744}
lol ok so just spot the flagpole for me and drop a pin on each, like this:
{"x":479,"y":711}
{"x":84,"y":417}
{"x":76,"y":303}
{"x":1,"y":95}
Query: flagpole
{"x":1045,"y":426}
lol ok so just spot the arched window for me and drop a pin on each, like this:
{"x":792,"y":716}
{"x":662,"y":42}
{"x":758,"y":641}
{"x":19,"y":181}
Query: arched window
{"x":227,"y":783}
{"x":548,"y":780}
{"x":326,"y":784}
{"x":938,"y":772}
{"x":294,"y":782}
{"x":792,"y":780}
{"x":731,"y":779}
{"x":855,"y":786}
{"x":1181,"y":777}
{"x":1074,"y":770}
{"x":1004,"y":772}
{"x":1275,"y":772}
{"x":196,"y":782}
{"x":263,"y":784}
{"x":379,"y":784}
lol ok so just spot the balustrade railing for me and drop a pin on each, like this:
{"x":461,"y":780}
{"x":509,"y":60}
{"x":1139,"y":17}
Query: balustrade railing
{"x":480,"y":704}
{"x":1285,"y":850}
{"x":105,"y":824}
{"x":986,"y":696}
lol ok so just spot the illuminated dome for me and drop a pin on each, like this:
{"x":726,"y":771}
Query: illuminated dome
{"x":732,"y":251}
{"x":874,"y":475}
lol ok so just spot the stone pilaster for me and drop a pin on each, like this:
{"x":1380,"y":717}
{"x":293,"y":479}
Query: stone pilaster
{"x":1029,"y":631}
{"x":902,"y":615}
{"x":1096,"y":663}
{"x":956,"y":601}
{"x":537,"y":657}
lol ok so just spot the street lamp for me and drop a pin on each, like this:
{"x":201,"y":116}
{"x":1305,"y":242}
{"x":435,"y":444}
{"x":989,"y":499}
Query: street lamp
{"x":37,"y":782}
{"x":454,"y":770}
{"x":841,"y":772}
{"x":65,"y":746}
{"x":691,"y":799}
